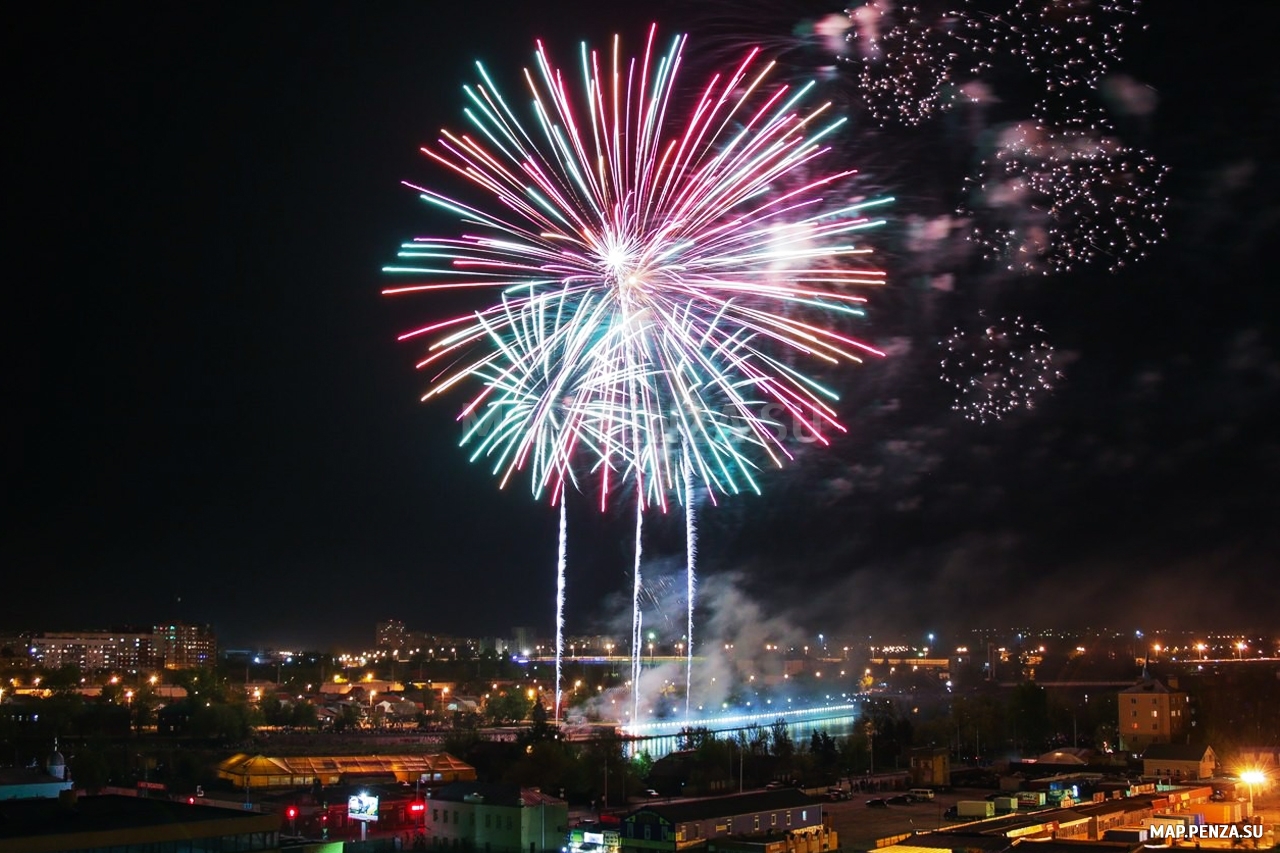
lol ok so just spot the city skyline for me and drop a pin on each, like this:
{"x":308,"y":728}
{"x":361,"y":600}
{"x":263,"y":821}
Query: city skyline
{"x":215,"y":423}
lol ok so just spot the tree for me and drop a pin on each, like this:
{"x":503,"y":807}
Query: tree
{"x":605,"y":764}
{"x":826,"y":756}
{"x":348,"y":719}
{"x":510,"y":706}
{"x":303,"y":716}
{"x":143,"y":706}
{"x":1029,"y":717}
{"x":540,"y":730}
{"x":780,"y":743}
{"x":63,"y":680}
{"x":220,"y":721}
{"x":693,"y":737}
{"x":111,"y":694}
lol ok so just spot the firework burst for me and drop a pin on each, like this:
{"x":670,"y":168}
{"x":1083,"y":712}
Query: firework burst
{"x":1071,"y":43}
{"x":659,"y":257}
{"x":1055,"y":200}
{"x":1004,"y":367}
{"x":903,"y":59}
{"x":654,"y":269}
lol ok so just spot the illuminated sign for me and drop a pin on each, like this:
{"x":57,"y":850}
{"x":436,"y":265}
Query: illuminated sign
{"x":362,"y":807}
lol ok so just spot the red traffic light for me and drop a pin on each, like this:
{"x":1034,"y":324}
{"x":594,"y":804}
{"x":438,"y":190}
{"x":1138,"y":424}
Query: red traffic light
{"x":417,"y":807}
{"x":291,"y":812}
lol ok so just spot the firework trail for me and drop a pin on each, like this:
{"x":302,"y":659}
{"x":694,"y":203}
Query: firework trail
{"x":561,"y":555}
{"x":651,"y":263}
{"x":637,"y":625}
{"x":691,"y":556}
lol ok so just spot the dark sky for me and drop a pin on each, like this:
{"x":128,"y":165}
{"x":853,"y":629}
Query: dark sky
{"x":209,"y":418}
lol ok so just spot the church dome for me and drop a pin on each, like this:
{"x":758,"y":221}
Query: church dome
{"x":55,"y":765}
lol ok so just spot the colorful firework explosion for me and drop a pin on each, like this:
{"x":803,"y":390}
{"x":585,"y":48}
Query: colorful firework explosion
{"x":657,"y":257}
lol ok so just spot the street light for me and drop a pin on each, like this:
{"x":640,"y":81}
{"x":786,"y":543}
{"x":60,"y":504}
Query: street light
{"x":742,"y":757}
{"x":1251,"y":778}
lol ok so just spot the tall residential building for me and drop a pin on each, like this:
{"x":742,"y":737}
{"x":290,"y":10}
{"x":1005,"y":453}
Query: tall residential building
{"x":181,"y":646}
{"x":523,"y":638}
{"x":15,"y":648}
{"x":93,"y":651}
{"x":1149,"y":712}
{"x":390,"y":635}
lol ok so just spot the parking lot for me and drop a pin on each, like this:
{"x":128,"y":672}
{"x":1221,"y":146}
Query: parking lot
{"x":860,"y":826}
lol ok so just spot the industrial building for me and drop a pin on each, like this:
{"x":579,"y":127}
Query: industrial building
{"x":296,"y":771}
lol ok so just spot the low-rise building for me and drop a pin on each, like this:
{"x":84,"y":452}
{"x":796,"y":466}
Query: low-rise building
{"x":48,"y":782}
{"x":930,"y":766}
{"x":493,"y":818}
{"x":131,"y":823}
{"x":1176,"y":761}
{"x":677,"y":826}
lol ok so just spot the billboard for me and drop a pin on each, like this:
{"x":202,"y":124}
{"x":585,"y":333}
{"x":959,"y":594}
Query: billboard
{"x":362,"y":807}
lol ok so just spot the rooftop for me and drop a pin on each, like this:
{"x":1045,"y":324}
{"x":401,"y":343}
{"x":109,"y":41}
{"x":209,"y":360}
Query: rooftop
{"x":494,"y":794}
{"x":38,"y":817}
{"x":998,"y":843}
{"x":1147,"y":685}
{"x":26,"y":776}
{"x":738,"y":804}
{"x":1175,"y":752}
{"x":344,"y":765}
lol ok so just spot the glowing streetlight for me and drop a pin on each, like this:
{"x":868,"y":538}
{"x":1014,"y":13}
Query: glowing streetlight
{"x":1252,"y":778}
{"x":1201,"y":647}
{"x":1240,"y":647}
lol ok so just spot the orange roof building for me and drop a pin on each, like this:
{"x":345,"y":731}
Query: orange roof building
{"x":263,"y":771}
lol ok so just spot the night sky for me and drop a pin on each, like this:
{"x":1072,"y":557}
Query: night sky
{"x":209,"y":417}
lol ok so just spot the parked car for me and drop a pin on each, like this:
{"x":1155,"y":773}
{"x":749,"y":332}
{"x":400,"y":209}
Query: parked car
{"x":837,"y":794}
{"x":878,"y":803}
{"x":775,"y":785}
{"x":650,"y":793}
